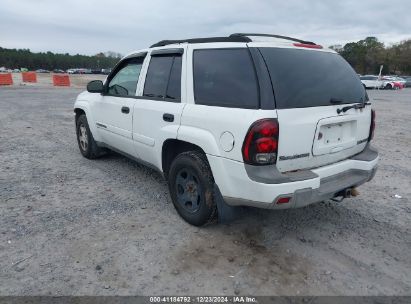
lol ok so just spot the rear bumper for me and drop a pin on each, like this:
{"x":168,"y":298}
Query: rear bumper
{"x":330,"y":186}
{"x":242,"y":186}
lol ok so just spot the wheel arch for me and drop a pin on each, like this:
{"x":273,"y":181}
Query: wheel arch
{"x":78,"y":112}
{"x":173,"y":147}
{"x":81,"y":108}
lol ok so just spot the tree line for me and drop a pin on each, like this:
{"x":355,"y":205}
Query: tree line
{"x":24,"y":58}
{"x":367,"y":55}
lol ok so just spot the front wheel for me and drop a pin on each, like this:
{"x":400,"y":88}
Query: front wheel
{"x":388,"y":86}
{"x":191,"y":185}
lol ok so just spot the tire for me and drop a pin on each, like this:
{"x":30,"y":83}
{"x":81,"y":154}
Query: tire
{"x":388,"y":87}
{"x":191,"y":185}
{"x":86,"y":143}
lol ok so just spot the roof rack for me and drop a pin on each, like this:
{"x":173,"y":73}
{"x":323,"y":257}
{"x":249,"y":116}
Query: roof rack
{"x":231,"y":38}
{"x":237,"y":37}
{"x":274,"y":36}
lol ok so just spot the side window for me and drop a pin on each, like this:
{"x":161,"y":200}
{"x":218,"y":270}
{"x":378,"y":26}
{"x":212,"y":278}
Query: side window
{"x":174,"y":84}
{"x":163,"y":78}
{"x":124,"y":82}
{"x":225,"y":78}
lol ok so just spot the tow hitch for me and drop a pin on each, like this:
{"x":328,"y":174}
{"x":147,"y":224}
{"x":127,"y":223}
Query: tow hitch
{"x":346,"y":193}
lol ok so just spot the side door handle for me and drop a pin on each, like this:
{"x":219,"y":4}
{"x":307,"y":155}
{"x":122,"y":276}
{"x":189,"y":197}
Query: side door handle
{"x":125,"y":110}
{"x":168,"y":117}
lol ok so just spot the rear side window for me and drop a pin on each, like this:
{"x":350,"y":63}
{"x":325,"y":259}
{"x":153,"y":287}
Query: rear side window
{"x":305,"y":78}
{"x":163,"y":78}
{"x":174,"y":83}
{"x":225,"y":78}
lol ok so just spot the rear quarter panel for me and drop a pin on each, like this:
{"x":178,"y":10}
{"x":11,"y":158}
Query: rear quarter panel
{"x":204,"y":126}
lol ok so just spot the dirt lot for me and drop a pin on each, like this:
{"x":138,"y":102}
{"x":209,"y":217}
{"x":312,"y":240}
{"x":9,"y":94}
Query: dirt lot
{"x":71,"y":226}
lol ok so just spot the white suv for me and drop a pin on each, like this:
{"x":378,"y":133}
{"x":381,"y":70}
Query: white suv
{"x":246,"y":120}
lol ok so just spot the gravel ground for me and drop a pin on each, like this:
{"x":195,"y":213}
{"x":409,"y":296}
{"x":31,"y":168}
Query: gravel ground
{"x":72,"y":226}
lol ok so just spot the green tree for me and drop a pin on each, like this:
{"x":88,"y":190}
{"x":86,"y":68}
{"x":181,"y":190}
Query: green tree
{"x":366,"y":56}
{"x":24,"y":58}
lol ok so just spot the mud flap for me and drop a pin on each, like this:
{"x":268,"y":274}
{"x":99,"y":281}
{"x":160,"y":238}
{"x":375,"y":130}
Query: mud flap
{"x":226,"y":213}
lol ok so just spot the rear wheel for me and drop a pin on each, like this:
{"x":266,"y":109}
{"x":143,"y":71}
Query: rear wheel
{"x":191,"y":185}
{"x":388,"y":86}
{"x":86,"y":143}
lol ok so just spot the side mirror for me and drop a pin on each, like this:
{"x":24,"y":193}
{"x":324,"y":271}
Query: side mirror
{"x":95,"y":86}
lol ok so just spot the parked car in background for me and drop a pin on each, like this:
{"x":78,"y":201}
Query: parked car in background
{"x":394,"y":82}
{"x":398,"y":85}
{"x":105,"y":71}
{"x":16,"y":71}
{"x":400,"y":80}
{"x":79,"y":71}
{"x":395,"y":78}
{"x":58,"y":71}
{"x":42,"y":71}
{"x":372,"y":82}
{"x":407,"y":81}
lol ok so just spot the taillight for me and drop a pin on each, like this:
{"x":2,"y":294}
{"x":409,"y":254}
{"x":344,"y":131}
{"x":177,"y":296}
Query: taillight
{"x":372,"y":126}
{"x":261,"y":142}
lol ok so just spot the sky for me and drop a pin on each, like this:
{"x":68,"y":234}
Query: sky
{"x":92,"y":26}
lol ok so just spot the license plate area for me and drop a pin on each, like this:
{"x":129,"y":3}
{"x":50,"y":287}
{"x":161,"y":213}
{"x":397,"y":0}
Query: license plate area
{"x":332,"y":137}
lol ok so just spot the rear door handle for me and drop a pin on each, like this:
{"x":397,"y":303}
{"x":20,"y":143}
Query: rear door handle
{"x":168,"y":117}
{"x":125,"y":110}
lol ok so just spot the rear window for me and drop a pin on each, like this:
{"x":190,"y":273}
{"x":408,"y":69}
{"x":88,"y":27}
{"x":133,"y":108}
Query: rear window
{"x":225,"y":78}
{"x":303,"y":78}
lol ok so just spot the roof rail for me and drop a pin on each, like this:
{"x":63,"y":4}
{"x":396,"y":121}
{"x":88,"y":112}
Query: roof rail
{"x":274,"y":36}
{"x":203,"y":40}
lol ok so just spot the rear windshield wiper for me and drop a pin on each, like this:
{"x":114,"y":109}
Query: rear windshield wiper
{"x":354,"y":106}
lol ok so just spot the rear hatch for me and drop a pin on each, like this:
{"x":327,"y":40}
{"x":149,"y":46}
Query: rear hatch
{"x":311,"y":89}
